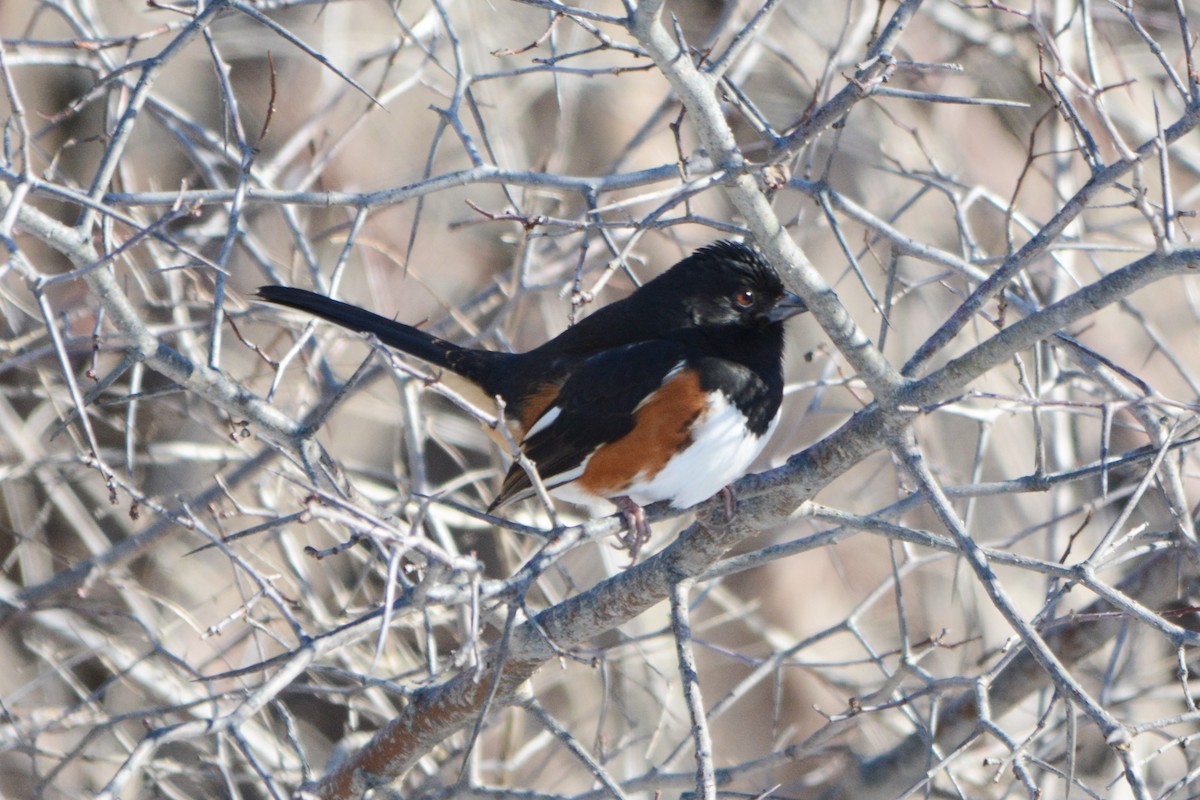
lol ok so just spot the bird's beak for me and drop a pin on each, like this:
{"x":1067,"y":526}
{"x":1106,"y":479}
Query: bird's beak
{"x":788,"y":306}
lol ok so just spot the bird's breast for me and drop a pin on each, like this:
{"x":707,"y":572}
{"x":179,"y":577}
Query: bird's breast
{"x":711,"y":450}
{"x":722,"y":447}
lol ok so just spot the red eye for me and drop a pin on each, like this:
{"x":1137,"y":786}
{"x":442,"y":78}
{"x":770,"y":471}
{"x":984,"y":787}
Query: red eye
{"x":744,"y":298}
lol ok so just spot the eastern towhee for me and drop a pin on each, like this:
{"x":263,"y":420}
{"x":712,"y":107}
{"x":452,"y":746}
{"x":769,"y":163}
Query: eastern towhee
{"x":669,"y":394}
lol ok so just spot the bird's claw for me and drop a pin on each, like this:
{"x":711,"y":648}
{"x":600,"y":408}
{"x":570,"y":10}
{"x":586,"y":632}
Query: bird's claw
{"x":638,"y":532}
{"x":730,"y":503}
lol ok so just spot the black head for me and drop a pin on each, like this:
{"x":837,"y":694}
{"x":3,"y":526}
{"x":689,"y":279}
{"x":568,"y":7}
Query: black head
{"x":724,"y":288}
{"x":724,"y":284}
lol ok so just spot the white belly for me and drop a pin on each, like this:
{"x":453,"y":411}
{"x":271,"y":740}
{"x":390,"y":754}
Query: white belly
{"x":721,"y":451}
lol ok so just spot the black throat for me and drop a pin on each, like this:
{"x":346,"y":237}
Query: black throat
{"x":745,"y":364}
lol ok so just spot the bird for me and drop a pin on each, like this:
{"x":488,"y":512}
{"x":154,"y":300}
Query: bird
{"x":667,"y":394}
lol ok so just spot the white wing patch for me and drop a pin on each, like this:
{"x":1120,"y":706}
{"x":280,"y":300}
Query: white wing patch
{"x":545,"y":421}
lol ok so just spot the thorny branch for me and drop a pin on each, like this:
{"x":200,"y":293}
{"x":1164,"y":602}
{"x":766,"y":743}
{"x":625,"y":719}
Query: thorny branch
{"x":226,"y":557}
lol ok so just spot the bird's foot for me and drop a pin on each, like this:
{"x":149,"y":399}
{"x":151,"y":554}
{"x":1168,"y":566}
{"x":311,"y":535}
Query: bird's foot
{"x":730,"y":503}
{"x":639,"y":529}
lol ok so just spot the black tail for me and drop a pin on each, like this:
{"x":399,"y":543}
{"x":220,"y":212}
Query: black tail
{"x":483,"y":367}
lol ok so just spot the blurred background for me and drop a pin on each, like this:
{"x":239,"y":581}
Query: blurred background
{"x":493,"y":171}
